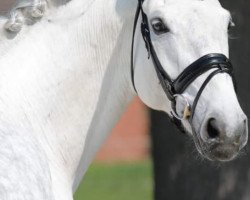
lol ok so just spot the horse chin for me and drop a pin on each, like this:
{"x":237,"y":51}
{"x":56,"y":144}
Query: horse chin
{"x":219,"y":152}
{"x":215,"y":150}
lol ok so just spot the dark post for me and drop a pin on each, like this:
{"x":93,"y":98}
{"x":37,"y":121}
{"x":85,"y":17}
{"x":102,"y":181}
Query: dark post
{"x":180,"y":174}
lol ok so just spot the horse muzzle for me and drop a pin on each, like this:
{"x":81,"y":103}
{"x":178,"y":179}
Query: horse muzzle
{"x":220,"y":141}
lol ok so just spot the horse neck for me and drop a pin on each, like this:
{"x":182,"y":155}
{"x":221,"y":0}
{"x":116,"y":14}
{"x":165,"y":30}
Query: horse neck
{"x":116,"y":92}
{"x":67,"y":83}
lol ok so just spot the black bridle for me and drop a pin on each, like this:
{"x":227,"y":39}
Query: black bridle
{"x":219,"y":62}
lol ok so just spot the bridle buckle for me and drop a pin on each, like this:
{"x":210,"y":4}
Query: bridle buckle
{"x":186,"y":114}
{"x":222,"y":67}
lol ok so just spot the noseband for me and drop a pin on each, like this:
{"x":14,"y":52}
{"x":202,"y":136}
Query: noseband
{"x":173,"y":88}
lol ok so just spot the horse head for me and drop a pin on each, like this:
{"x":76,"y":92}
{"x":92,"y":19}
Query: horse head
{"x":187,"y":46}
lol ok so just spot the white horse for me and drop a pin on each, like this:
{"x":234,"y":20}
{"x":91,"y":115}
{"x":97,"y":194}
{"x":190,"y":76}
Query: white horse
{"x":65,"y":79}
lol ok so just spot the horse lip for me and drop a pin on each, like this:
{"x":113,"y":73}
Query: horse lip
{"x":216,"y":150}
{"x":221,"y":152}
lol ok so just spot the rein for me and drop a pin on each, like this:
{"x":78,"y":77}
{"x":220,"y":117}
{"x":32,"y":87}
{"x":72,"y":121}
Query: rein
{"x":176,"y":87}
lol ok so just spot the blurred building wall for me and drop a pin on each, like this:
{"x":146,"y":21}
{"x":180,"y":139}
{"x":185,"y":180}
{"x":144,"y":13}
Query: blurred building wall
{"x":129,"y":140}
{"x":5,"y":5}
{"x":179,"y":171}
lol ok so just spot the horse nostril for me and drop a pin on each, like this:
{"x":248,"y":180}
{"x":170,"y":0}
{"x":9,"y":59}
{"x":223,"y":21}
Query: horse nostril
{"x":212,"y":130}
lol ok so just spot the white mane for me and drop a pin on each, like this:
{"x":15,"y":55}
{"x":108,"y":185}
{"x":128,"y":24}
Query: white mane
{"x":25,"y":12}
{"x":28,"y":12}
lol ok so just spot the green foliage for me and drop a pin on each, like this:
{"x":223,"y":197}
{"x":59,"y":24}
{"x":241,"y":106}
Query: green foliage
{"x":117,"y":182}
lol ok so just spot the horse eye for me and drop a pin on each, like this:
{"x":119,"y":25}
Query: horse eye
{"x":159,"y":27}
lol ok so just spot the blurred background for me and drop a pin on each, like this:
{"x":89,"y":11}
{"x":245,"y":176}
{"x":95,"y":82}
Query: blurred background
{"x":124,"y":170}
